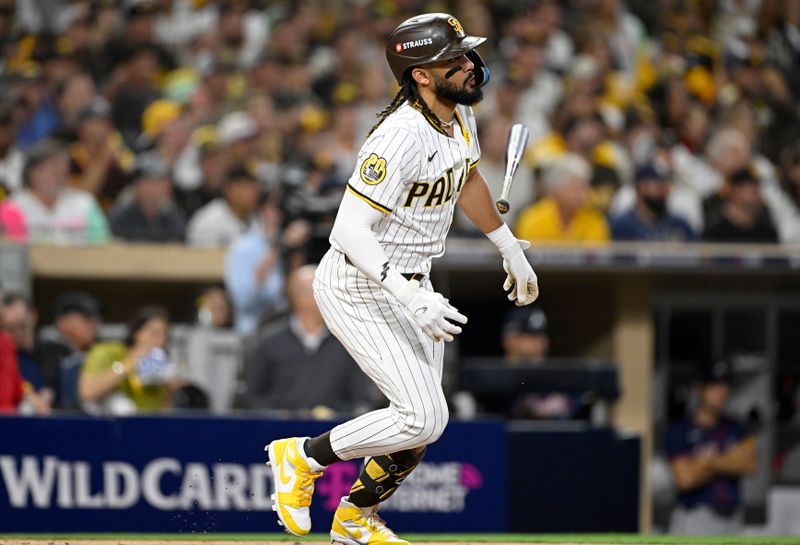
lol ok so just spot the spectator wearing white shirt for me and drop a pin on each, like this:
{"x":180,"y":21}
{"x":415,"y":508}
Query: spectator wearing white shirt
{"x":54,"y":212}
{"x":241,"y":32}
{"x":559,"y":49}
{"x":623,"y":31}
{"x":728,"y":151}
{"x":183,"y":21}
{"x":544,"y":88}
{"x":222,"y":220}
{"x":646,"y":143}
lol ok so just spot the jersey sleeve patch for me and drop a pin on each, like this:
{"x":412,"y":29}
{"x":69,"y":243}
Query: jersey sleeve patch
{"x":373,"y":169}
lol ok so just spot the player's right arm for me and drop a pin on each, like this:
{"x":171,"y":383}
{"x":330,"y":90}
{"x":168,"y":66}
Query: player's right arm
{"x":352,"y":232}
{"x":386,"y":162}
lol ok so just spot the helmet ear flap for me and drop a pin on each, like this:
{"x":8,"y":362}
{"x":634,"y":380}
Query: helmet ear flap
{"x":482,"y":74}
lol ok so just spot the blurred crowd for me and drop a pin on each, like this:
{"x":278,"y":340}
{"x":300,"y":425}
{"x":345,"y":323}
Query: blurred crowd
{"x":176,"y":120}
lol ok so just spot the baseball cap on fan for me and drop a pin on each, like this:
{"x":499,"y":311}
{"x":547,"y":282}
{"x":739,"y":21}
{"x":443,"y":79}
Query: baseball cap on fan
{"x":721,"y":371}
{"x":526,"y":320}
{"x":149,"y":166}
{"x":236,"y":126}
{"x":650,"y":171}
{"x":240,"y":173}
{"x":76,"y":302}
{"x":98,"y":108}
{"x":140,"y":8}
{"x":743,"y":176}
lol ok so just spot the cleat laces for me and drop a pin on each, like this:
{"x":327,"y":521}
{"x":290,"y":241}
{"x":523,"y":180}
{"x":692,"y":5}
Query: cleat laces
{"x":305,"y":487}
{"x":377,"y":525}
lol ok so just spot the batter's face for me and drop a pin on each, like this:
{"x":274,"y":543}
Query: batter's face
{"x":454,"y":81}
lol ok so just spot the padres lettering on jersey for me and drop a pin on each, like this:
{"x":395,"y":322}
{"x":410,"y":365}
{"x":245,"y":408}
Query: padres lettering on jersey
{"x":414,"y":173}
{"x":436,"y":194}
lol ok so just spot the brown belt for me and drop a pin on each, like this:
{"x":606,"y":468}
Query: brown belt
{"x":419,"y":277}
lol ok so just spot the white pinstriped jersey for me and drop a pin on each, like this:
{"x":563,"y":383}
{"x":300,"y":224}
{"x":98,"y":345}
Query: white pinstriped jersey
{"x":413,"y":173}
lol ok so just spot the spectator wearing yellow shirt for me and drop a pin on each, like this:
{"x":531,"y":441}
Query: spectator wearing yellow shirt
{"x":564,"y":215}
{"x":579,"y":128}
{"x":118,"y":377}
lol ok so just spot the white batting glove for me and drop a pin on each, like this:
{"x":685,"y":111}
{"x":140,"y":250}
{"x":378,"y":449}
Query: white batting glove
{"x":431,"y":311}
{"x":521,"y":282}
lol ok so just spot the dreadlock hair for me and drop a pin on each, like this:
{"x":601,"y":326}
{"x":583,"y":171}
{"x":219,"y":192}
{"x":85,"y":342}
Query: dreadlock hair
{"x":408,"y":91}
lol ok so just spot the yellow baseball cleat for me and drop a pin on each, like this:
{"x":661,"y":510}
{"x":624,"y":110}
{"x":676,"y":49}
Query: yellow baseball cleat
{"x":293,"y":479}
{"x":354,"y":525}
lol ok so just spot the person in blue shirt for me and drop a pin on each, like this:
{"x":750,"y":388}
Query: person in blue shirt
{"x":709,"y":453}
{"x":649,"y":218}
{"x":255,"y":267}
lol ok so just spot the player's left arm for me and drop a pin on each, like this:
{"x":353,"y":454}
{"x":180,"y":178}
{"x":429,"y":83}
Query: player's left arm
{"x":477,"y":203}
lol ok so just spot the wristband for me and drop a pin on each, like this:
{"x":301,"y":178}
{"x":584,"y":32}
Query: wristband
{"x":503,"y":238}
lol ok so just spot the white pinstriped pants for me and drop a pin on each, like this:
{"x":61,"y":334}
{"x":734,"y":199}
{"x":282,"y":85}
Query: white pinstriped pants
{"x":392,"y":350}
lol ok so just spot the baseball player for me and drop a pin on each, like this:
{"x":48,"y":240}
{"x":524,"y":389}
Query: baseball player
{"x":373,"y":285}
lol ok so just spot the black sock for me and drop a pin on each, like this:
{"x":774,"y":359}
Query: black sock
{"x":382,"y":475}
{"x":321,"y":450}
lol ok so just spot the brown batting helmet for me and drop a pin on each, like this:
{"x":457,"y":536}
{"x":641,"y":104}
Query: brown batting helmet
{"x":429,"y":38}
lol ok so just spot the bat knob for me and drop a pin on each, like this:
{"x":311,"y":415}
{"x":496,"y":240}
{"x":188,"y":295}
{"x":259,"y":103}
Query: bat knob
{"x":503,"y":206}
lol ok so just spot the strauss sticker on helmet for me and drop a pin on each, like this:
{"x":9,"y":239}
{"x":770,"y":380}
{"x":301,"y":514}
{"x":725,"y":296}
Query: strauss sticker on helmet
{"x":414,"y":43}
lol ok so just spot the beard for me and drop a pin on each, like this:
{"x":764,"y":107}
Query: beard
{"x":463,"y":95}
{"x":657,"y":206}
